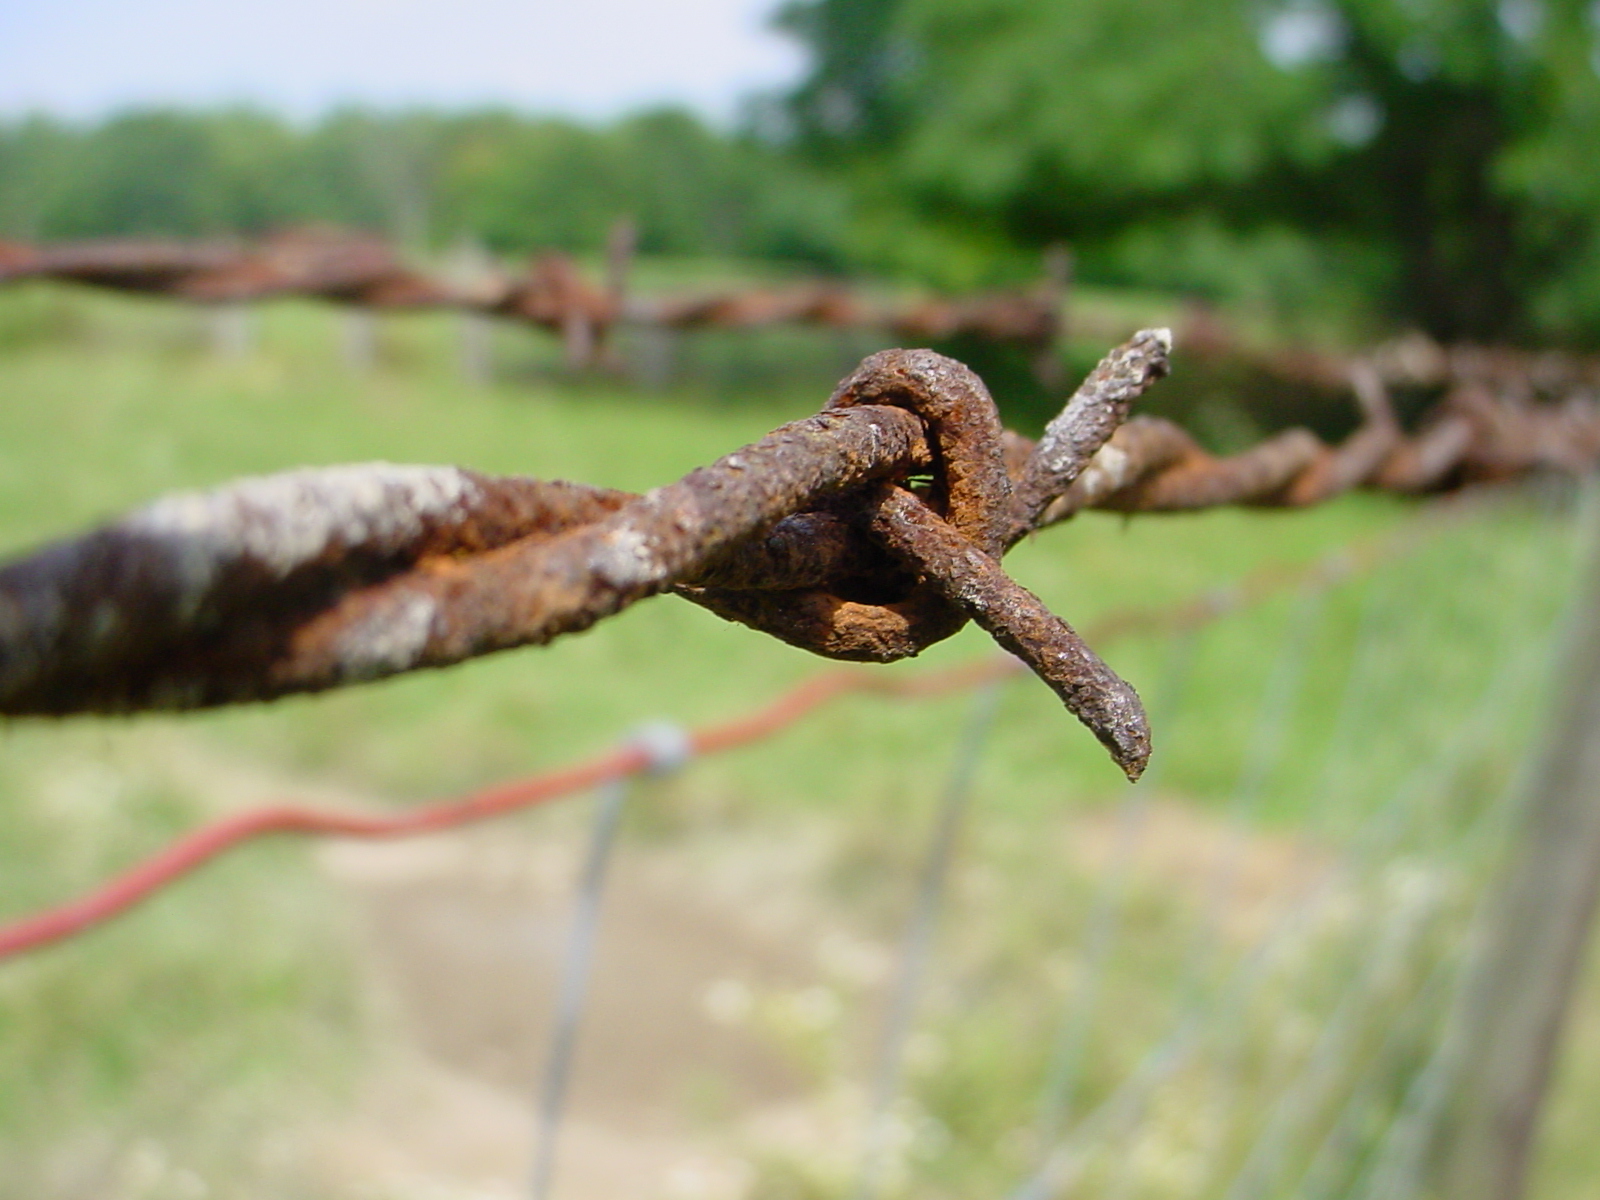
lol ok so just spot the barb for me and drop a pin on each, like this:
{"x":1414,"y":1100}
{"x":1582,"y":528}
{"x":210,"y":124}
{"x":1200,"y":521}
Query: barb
{"x":1088,"y":421}
{"x":316,"y":579}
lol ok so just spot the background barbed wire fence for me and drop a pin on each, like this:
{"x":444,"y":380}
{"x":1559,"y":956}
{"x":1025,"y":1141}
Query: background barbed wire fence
{"x":366,"y":276}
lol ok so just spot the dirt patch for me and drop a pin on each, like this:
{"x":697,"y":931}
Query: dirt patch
{"x":731,"y":1013}
{"x":676,"y":1078}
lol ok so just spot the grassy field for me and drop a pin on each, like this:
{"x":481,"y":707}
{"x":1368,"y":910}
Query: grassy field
{"x":187,"y":1050}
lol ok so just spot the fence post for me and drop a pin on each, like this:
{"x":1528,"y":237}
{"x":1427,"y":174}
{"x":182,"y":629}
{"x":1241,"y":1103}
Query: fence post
{"x":231,"y":330}
{"x":470,"y":272}
{"x":1536,"y":930}
{"x":360,"y":340}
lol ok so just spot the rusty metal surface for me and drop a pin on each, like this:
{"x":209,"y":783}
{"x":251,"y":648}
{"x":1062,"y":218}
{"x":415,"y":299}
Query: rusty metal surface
{"x":213,"y":584}
{"x":1023,"y":318}
{"x":1093,"y":414}
{"x":868,"y":531}
{"x":312,"y":579}
{"x":1152,"y":465}
{"x":887,"y":614}
{"x":133,"y":265}
{"x":552,"y":293}
{"x":975,"y":582}
{"x":322,"y":263}
{"x":1411,"y":360}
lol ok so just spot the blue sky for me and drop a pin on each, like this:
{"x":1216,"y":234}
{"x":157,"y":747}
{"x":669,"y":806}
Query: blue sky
{"x":595,"y":58}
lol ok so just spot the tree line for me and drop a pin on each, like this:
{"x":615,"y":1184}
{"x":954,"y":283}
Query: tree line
{"x":1436,"y":161}
{"x":513,"y":182}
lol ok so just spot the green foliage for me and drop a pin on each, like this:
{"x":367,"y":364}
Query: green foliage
{"x":519,"y":183}
{"x":1370,"y":162}
{"x":691,"y":190}
{"x":1447,"y":145}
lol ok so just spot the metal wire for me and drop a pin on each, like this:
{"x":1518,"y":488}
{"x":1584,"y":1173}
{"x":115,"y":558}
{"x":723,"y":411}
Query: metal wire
{"x":905,"y":489}
{"x":1383,"y":830}
{"x":1376,"y":611}
{"x":1328,"y":1059}
{"x":1098,"y":1128}
{"x":1398,"y":1169}
{"x":917,"y":944}
{"x":190,"y":851}
{"x":1194,"y":998}
{"x":329,"y":579}
{"x":1263,"y":755}
{"x":1103,"y":928}
{"x":1434,"y":779}
{"x":577,"y":967}
{"x":363,"y":272}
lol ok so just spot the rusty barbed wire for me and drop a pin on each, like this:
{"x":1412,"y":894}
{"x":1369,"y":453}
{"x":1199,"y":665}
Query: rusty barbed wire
{"x":1412,"y":360}
{"x":552,"y":294}
{"x":866,"y":532}
{"x":363,"y":270}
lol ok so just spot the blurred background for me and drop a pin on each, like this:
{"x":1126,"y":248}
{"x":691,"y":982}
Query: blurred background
{"x":1371,"y":164}
{"x":1243,"y":979}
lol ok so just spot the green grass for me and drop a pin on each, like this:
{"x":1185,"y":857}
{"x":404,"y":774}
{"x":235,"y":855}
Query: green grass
{"x":199,"y":1022}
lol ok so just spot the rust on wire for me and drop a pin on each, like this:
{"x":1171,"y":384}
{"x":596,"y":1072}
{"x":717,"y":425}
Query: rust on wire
{"x":355,"y":268}
{"x":976,"y":584}
{"x":1412,"y":360}
{"x":887,"y":614}
{"x":867,"y":532}
{"x":1087,"y":422}
{"x":552,"y":293}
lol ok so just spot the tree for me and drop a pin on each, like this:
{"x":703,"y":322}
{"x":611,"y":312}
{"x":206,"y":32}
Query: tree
{"x":1446,"y":144}
{"x":425,"y":178}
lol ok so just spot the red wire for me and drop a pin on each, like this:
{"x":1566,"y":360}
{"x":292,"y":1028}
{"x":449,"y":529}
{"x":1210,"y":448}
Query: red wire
{"x":195,"y":849}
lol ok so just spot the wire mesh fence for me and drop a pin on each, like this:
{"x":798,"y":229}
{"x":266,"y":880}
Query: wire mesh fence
{"x":1239,"y":989}
{"x":1253,"y":999}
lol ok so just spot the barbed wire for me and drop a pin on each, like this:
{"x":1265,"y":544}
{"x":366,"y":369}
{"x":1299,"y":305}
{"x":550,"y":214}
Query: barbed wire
{"x":365,"y":271}
{"x":552,"y":293}
{"x":1412,"y":360}
{"x":866,"y":533}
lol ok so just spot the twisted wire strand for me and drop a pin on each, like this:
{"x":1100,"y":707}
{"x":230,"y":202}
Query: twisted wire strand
{"x":362,"y":270}
{"x":866,"y":533}
{"x":552,"y":293}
